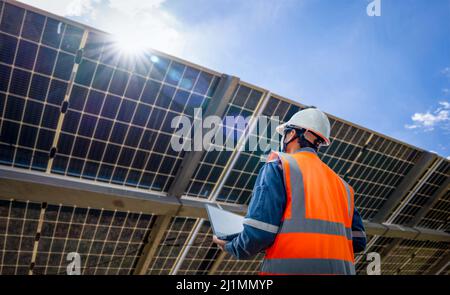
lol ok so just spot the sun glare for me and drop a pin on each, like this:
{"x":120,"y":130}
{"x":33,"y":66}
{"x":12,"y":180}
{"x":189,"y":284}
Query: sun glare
{"x":130,"y":45}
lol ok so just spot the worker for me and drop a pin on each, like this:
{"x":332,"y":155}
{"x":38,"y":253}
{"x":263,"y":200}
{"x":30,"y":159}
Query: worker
{"x":301,"y":212}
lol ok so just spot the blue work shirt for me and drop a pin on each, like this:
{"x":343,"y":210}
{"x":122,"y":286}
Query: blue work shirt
{"x":265,"y":212}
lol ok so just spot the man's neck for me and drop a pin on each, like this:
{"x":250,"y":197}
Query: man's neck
{"x":293,"y":148}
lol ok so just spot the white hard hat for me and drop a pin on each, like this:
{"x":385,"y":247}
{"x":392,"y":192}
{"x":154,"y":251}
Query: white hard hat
{"x":310,"y":119}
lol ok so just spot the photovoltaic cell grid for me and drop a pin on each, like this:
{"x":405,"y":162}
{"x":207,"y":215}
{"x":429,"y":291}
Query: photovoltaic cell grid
{"x":118,"y":125}
{"x":113,"y":94}
{"x":414,"y":257}
{"x":243,"y":103}
{"x":242,"y":177}
{"x":18,"y":225}
{"x":171,"y":245}
{"x":373,"y":165}
{"x":108,"y":242}
{"x":202,"y":253}
{"x":446,"y":270}
{"x":377,"y":172}
{"x":435,"y":181}
{"x":36,"y":59}
{"x":438,"y":216}
{"x":231,"y":266}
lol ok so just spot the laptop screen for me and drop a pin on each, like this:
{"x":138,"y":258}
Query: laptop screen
{"x":224,"y":224}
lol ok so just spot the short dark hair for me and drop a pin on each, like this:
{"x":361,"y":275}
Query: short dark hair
{"x":305,"y":143}
{"x":302,"y":141}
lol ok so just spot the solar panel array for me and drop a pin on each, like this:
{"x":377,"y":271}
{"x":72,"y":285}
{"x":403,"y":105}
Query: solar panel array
{"x":73,"y":104}
{"x":108,"y":241}
{"x":212,"y":164}
{"x":434,"y":182}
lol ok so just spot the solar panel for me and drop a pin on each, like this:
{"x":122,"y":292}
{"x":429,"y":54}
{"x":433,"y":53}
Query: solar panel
{"x":118,"y":109}
{"x":414,"y":257}
{"x":18,"y":224}
{"x":212,"y":164}
{"x":109,"y":242}
{"x":231,"y":266}
{"x":437,"y":216}
{"x":37,"y":56}
{"x":433,"y":183}
{"x":201,"y":255}
{"x":73,"y":104}
{"x":120,"y":118}
{"x":380,"y":166}
{"x":238,"y":186}
{"x":173,"y":242}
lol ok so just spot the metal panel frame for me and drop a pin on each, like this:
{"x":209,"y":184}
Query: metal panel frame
{"x":16,"y":183}
{"x":439,"y":266}
{"x":222,"y":180}
{"x":418,"y":217}
{"x":66,"y":100}
{"x":217,"y":106}
{"x":22,"y":184}
{"x":92,"y":29}
{"x":404,"y":189}
{"x":405,"y":186}
{"x":149,"y":251}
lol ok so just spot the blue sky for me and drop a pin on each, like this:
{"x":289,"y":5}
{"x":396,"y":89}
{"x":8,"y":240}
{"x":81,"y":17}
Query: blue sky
{"x":389,"y":73}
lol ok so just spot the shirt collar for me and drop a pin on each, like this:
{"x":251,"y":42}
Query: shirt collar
{"x":306,"y":149}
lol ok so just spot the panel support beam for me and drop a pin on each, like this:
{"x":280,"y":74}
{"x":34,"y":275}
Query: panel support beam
{"x":418,"y":217}
{"x":223,"y":177}
{"x":21,"y":184}
{"x":216,"y":263}
{"x":216,"y":107}
{"x":430,"y":203}
{"x":439,"y":266}
{"x":37,"y":238}
{"x":62,"y":114}
{"x":424,"y":162}
{"x":26,"y":185}
{"x":156,"y":235}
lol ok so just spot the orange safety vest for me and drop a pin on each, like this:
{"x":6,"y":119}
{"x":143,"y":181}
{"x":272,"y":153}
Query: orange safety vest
{"x":315,"y":236}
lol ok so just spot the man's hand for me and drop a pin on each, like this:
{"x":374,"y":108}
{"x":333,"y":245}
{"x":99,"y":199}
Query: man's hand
{"x":220,"y":243}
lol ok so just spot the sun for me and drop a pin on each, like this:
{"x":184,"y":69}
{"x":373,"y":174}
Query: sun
{"x":130,"y":45}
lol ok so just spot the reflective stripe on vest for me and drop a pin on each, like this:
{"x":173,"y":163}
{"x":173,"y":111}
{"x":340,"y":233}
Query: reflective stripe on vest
{"x":307,"y":245}
{"x":308,"y":267}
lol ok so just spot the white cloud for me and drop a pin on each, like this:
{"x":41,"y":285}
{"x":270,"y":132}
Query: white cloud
{"x":82,"y":7}
{"x":135,"y":7}
{"x":431,"y":119}
{"x":142,"y":24}
{"x":445,"y":104}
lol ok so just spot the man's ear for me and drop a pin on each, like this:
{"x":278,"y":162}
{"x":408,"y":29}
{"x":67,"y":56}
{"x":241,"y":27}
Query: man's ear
{"x":289,"y":135}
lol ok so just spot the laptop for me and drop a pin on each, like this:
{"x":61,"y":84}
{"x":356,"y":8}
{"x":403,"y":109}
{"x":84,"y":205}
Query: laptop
{"x":225,"y":225}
